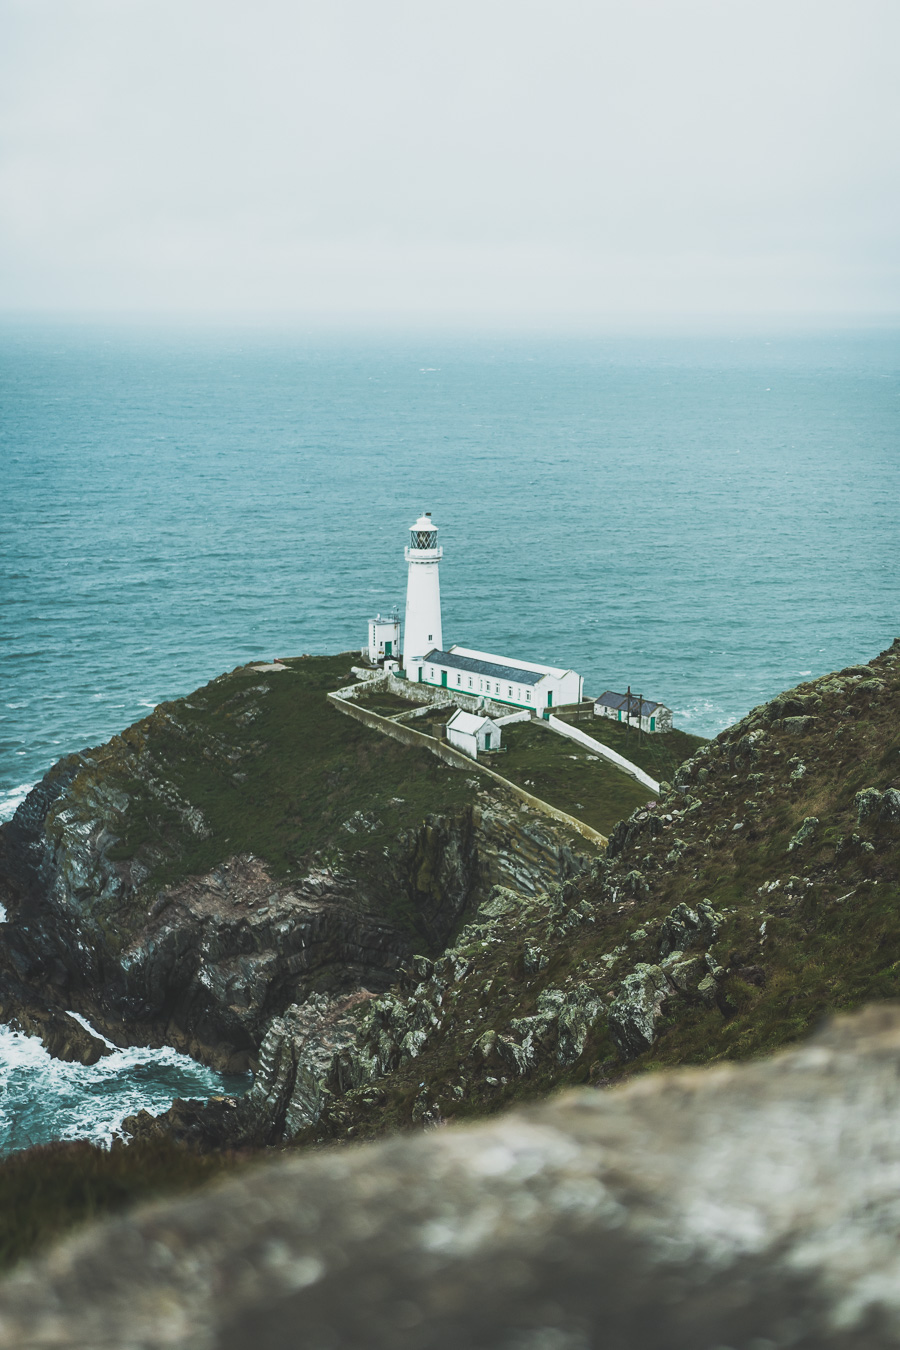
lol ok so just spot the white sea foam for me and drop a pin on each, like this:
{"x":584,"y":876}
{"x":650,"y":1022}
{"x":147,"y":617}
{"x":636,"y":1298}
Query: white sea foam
{"x":93,"y":1030}
{"x":10,"y":798}
{"x":42,"y":1098}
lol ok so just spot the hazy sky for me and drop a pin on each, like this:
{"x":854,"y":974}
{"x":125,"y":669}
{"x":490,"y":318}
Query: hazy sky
{"x":569,"y":160}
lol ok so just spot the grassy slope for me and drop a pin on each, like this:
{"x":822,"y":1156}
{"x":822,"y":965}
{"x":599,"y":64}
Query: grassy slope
{"x":45,"y":1191}
{"x":658,"y":754}
{"x":566,"y":775}
{"x":555,"y":769}
{"x":831,"y":938}
{"x":807,"y":932}
{"x":273,"y":769}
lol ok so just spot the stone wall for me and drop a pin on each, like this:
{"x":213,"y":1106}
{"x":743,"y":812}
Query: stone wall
{"x":398,"y":731}
{"x":448,"y":698}
{"x":574,"y":734}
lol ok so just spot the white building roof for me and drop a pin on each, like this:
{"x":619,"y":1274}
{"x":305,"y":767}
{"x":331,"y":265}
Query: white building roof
{"x":470,"y":723}
{"x":454,"y":660}
{"x":533,"y":666}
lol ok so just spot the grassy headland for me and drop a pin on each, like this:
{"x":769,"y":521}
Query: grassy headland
{"x":765,"y":824}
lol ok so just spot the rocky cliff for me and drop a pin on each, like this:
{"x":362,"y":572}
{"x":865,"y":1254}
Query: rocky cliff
{"x":748,"y":1206}
{"x":237,"y":853}
{"x":759,"y":894}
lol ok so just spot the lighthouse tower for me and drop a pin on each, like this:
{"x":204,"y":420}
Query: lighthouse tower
{"x":422,"y":629}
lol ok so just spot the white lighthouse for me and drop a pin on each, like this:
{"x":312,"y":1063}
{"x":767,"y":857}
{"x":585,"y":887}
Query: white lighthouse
{"x":422,"y":630}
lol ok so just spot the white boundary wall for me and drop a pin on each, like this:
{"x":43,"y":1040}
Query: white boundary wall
{"x":523,"y":716}
{"x":620,"y":761}
{"x":408,"y":736}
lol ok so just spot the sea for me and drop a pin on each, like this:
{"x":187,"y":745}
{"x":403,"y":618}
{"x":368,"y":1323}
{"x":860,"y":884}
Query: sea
{"x":709,"y":518}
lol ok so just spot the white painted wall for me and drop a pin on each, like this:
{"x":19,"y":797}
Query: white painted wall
{"x":382,"y":632}
{"x":422,"y":629}
{"x":464,"y":741}
{"x":575,"y":734}
{"x":487,"y":736}
{"x":565,"y":689}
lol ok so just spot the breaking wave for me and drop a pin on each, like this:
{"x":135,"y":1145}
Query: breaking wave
{"x":43,"y":1099}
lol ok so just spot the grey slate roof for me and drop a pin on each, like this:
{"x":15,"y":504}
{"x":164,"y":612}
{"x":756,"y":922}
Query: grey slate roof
{"x":511,"y":674}
{"x":618,"y":701}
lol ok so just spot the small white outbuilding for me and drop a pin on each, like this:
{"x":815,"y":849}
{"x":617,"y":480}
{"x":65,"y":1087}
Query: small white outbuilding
{"x":651,"y":716}
{"x":384,"y":639}
{"x":470,"y":732}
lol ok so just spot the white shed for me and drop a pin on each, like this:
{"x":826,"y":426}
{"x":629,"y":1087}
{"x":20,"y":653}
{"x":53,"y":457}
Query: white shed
{"x":384,"y":638}
{"x":470,"y":733}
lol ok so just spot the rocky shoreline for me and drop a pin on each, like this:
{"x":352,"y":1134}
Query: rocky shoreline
{"x":757,"y":893}
{"x":217,"y":963}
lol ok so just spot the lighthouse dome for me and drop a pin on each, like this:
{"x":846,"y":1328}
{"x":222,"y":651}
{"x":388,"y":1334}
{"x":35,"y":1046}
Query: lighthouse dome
{"x":424,"y":533}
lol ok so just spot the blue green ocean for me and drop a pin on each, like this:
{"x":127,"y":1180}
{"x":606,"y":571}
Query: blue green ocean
{"x":709,"y":519}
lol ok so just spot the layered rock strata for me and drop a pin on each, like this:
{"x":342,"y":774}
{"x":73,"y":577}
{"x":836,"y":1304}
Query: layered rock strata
{"x":206,"y":963}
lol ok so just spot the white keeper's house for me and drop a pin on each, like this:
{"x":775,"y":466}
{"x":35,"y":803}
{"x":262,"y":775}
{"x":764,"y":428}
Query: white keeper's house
{"x":461,"y":670}
{"x":524,"y":684}
{"x":652,"y":716}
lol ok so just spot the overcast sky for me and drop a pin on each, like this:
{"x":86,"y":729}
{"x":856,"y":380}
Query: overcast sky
{"x":471,"y":160}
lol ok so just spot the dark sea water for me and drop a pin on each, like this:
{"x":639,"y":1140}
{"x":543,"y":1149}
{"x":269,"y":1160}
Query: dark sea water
{"x":708,"y":519}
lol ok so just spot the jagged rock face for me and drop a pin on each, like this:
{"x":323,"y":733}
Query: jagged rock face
{"x":725,"y":917}
{"x":222,"y":953}
{"x":207,"y":962}
{"x":636,"y":1008}
{"x":298,"y":1065}
{"x":747,"y":1207}
{"x":686,"y":927}
{"x":880,"y":807}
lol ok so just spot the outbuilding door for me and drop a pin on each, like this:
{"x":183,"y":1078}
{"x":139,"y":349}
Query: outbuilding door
{"x":389,"y":649}
{"x":652,"y":723}
{"x":549,"y":698}
{"x":444,"y":679}
{"x":487,"y":740}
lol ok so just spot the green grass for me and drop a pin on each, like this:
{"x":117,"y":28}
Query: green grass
{"x":825,"y":939}
{"x":826,"y":947}
{"x":567,"y":775}
{"x":275,"y":770}
{"x":658,"y":754}
{"x":387,"y":704}
{"x":45,"y":1191}
{"x":268,"y":766}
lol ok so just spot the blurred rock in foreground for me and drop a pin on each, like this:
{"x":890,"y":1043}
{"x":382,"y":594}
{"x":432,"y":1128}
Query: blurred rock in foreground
{"x":752,"y":1207}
